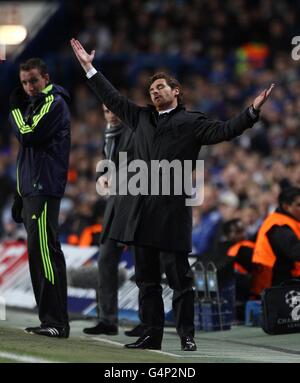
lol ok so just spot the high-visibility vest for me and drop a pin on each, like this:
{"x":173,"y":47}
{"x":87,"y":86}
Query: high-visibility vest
{"x":263,"y":252}
{"x":86,"y":237}
{"x":73,"y":239}
{"x":233,"y":252}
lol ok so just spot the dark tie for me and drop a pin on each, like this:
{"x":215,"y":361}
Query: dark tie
{"x":162,"y":116}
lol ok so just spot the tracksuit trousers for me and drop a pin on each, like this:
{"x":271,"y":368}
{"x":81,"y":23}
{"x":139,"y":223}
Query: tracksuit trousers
{"x":46,"y":259}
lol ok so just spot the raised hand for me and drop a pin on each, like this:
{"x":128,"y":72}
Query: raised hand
{"x":83,"y":57}
{"x":262,"y":97}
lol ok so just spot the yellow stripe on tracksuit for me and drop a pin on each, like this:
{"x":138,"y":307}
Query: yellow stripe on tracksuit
{"x":42,"y":225}
{"x":23,"y":128}
{"x":18,"y":180}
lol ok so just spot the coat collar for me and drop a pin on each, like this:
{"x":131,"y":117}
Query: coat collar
{"x":174,"y":111}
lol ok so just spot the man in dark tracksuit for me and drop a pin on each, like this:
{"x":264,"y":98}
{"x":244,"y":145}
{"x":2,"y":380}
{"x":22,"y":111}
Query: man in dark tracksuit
{"x":118,"y":138}
{"x":162,"y":224}
{"x":40,"y":119}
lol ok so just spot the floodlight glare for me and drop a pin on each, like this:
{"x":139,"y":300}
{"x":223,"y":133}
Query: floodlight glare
{"x":12,"y":34}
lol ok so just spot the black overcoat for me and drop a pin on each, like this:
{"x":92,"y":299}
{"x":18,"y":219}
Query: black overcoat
{"x":124,"y":144}
{"x":161,"y":221}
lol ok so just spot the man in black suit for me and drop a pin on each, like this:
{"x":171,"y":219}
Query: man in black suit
{"x":162,"y":224}
{"x":118,"y":138}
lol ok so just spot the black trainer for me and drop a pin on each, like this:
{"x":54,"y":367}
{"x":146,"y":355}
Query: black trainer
{"x":102,"y":328}
{"x":52,"y":332}
{"x":188,"y":343}
{"x":136,"y":331}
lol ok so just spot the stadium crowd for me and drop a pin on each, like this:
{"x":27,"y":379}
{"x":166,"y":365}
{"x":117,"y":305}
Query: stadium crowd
{"x":223,"y":53}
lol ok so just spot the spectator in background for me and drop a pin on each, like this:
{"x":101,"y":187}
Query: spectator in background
{"x":81,"y":220}
{"x":118,"y":138}
{"x":236,"y":274}
{"x":277,"y":250}
{"x":6,"y":189}
{"x":228,"y":203}
{"x":251,"y":220}
{"x":206,"y":222}
{"x":217,"y":208}
{"x":232,"y":257}
{"x":13,"y":231}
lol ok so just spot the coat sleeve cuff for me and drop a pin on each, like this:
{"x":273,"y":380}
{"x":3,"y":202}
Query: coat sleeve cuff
{"x":253,"y":113}
{"x":91,"y":73}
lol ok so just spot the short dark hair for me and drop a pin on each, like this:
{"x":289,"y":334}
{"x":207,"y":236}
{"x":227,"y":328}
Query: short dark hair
{"x":34,"y":63}
{"x":170,"y":80}
{"x":228,"y":226}
{"x":288,"y":195}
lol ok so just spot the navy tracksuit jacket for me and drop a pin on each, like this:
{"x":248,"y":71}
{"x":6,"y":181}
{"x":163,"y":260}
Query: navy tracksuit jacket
{"x":43,"y":131}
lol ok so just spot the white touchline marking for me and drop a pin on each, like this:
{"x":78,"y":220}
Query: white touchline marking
{"x":105,"y":341}
{"x":174,"y":355}
{"x":24,"y":358}
{"x":201,"y":353}
{"x":157,"y":351}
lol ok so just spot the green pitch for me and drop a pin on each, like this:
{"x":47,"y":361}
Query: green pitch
{"x":240,"y":345}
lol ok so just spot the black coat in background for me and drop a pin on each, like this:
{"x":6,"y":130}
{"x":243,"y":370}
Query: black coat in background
{"x":163,"y":222}
{"x":124,"y":144}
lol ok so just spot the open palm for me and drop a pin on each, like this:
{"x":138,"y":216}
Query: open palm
{"x":262,"y":97}
{"x":83,"y":57}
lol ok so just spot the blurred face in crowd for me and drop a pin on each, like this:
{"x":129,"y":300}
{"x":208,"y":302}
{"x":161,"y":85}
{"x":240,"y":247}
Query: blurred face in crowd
{"x":33,"y":81}
{"x":293,"y":208}
{"x":162,"y":95}
{"x":237,"y":232}
{"x":227,"y":211}
{"x":250,"y":215}
{"x":210,"y":198}
{"x":110,"y":118}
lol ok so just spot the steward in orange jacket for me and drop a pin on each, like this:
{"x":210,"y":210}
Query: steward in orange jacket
{"x":276,"y":255}
{"x":233,"y":252}
{"x":233,"y":259}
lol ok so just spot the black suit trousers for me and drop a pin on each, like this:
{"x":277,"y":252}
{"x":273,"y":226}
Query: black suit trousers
{"x":180,"y":279}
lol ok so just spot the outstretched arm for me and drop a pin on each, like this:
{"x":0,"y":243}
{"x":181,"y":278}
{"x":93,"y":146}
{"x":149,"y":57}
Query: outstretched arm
{"x":126,"y":110}
{"x":210,"y":132}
